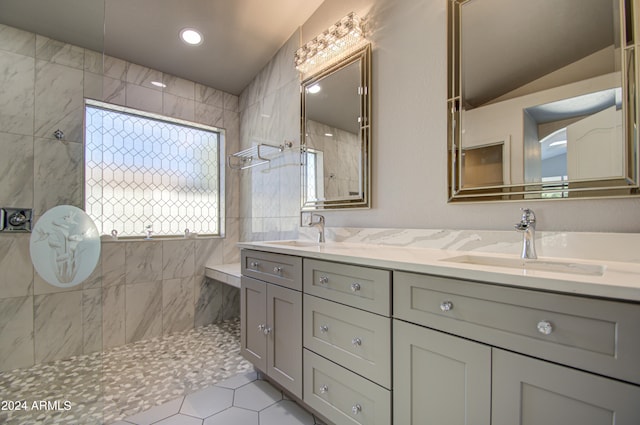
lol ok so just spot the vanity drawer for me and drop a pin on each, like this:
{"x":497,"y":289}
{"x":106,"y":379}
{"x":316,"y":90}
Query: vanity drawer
{"x":361,"y":287}
{"x":591,"y":334}
{"x":342,"y":396}
{"x":284,"y":270}
{"x":353,"y":338}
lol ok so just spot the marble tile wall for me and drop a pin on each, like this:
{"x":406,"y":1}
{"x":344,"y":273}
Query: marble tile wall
{"x":270,"y":113}
{"x":139,"y":289}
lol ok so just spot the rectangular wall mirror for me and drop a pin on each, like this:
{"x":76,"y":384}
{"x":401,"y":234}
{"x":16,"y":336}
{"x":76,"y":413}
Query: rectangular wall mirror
{"x":335,"y":139}
{"x":542,"y":105}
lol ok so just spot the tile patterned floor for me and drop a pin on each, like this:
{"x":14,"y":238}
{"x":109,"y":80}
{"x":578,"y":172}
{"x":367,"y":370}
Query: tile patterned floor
{"x":105,"y":387}
{"x":240,"y":400}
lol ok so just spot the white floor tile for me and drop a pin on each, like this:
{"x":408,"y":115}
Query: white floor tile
{"x":255,"y":402}
{"x":286,"y":413}
{"x":239,"y":380}
{"x":256,"y":396}
{"x":233,"y":416}
{"x":180,"y":419}
{"x":156,"y":413}
{"x":207,"y":402}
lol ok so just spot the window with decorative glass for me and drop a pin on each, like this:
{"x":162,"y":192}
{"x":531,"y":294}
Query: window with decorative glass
{"x":147,"y":174}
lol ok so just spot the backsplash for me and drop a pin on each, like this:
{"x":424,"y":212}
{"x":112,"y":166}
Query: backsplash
{"x":140,"y":289}
{"x":577,"y":245}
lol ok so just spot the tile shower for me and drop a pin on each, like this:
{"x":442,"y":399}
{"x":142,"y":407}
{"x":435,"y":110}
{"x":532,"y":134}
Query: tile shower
{"x":140,"y":289}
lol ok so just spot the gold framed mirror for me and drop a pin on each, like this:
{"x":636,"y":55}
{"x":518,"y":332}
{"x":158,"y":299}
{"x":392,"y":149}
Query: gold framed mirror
{"x":336,"y":135}
{"x":541,"y":100}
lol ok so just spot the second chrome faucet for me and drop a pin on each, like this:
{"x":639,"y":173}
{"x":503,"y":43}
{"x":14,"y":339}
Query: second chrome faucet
{"x":319,"y":223}
{"x":527,"y":226}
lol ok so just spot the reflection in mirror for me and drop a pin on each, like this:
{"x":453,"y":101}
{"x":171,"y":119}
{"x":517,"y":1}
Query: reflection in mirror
{"x":335,"y":135}
{"x":544,"y":106}
{"x":576,"y":138}
{"x":314,"y":171}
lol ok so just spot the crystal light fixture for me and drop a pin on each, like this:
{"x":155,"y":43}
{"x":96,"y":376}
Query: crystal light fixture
{"x":335,"y":43}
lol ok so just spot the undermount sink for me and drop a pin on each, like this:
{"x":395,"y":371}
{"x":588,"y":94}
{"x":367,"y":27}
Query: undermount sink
{"x":540,"y":265}
{"x":313,"y":244}
{"x":296,"y":243}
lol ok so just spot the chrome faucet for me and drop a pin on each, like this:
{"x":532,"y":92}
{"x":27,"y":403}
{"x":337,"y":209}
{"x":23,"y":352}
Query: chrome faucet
{"x":319,"y":224}
{"x":527,"y":226}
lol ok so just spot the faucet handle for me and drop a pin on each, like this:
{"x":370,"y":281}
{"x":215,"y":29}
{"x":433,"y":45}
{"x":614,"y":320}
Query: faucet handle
{"x":318,"y":216}
{"x":528,"y":216}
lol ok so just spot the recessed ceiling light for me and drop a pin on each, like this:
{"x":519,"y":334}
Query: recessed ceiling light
{"x":328,"y":134}
{"x":191,"y":36}
{"x":314,"y":89}
{"x":158,"y":84}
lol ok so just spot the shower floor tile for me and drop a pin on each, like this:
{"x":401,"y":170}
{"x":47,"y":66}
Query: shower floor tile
{"x":103,"y":388}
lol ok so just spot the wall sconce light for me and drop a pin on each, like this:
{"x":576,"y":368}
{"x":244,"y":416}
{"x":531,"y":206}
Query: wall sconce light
{"x":335,"y":43}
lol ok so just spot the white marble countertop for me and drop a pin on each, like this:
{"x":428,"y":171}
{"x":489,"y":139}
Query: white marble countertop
{"x":619,"y":280}
{"x":225,"y":273}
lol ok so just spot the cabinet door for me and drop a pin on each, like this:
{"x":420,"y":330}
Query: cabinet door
{"x":253,"y":322}
{"x":284,"y":340}
{"x":439,"y":378}
{"x":528,"y":391}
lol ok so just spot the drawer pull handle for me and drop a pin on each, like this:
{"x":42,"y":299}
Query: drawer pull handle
{"x":254,"y":264}
{"x":355,"y":287}
{"x":324,"y":329}
{"x":324,"y":389}
{"x":323,"y":280}
{"x":545,"y":327}
{"x":356,"y":409}
{"x":356,"y":341}
{"x":446,"y":306}
{"x":261,"y":328}
{"x":277,"y":270}
{"x":267,"y":330}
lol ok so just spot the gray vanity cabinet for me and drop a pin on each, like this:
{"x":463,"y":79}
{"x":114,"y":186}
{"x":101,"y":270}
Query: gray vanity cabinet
{"x":447,"y":380}
{"x":569,"y":349}
{"x":271,"y":317}
{"x":439,"y":378}
{"x":347,"y":342}
{"x":383,"y":347}
{"x":253,"y":311}
{"x":527,"y":391}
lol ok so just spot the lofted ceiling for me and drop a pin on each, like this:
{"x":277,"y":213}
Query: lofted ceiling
{"x":509,"y":43}
{"x":240,"y":36}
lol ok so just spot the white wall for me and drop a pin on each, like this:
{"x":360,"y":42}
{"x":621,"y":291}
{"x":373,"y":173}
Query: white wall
{"x":409,"y":139}
{"x":409,"y":135}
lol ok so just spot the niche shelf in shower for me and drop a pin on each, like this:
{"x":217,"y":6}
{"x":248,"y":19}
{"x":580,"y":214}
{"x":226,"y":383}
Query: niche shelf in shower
{"x":255,"y":155}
